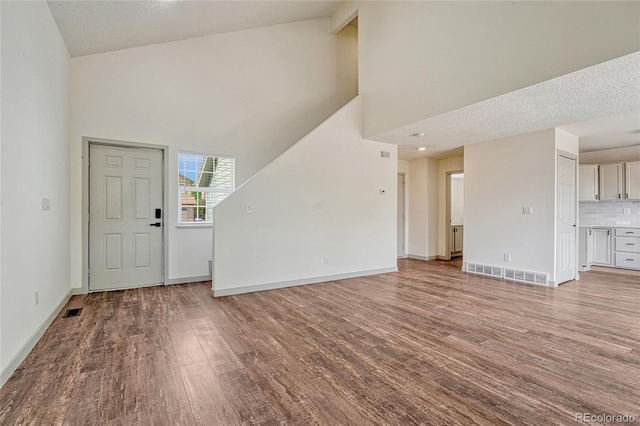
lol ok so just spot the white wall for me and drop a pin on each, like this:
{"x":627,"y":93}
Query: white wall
{"x":35,"y":162}
{"x":457,"y":200}
{"x":501,"y":177}
{"x":421,"y":59}
{"x":445,"y":165}
{"x":320,"y":198}
{"x":423,"y":208}
{"x":631,"y":153}
{"x":403,"y":166}
{"x":250,"y":94}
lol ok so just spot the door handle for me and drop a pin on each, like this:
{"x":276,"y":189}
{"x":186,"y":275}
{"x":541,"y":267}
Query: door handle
{"x":157,"y":224}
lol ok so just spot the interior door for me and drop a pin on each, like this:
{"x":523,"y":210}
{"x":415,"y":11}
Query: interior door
{"x":566,"y":220}
{"x":125,"y":217}
{"x":400,"y":215}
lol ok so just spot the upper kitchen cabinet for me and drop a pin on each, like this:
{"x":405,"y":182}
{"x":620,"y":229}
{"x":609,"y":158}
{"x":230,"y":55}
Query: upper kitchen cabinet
{"x":589,"y":190}
{"x":633,"y":180}
{"x":611,"y":183}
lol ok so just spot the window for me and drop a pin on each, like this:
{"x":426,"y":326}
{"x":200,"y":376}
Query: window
{"x":203,"y":181}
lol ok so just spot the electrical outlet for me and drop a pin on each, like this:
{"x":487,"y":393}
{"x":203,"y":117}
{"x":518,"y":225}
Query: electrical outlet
{"x":249,"y":208}
{"x":46,"y":204}
{"x":507,"y":257}
{"x":326,"y":260}
{"x":37,"y":297}
{"x":626,"y":210}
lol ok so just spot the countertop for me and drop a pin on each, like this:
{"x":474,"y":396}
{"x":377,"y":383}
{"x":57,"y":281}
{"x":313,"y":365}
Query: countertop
{"x":610,"y":226}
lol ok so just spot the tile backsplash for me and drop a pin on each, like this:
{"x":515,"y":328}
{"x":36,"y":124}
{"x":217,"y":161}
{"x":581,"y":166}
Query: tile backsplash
{"x":610,"y":213}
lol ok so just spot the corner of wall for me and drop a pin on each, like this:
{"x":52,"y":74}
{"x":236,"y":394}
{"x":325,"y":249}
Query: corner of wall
{"x":313,"y":220}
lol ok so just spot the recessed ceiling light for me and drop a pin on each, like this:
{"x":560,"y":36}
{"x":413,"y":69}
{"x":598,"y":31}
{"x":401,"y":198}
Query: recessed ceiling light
{"x":422,"y":148}
{"x":418,"y":135}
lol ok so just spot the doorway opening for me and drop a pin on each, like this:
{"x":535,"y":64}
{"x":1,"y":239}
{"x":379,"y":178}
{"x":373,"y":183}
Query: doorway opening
{"x":455,"y":218}
{"x":401,"y":217}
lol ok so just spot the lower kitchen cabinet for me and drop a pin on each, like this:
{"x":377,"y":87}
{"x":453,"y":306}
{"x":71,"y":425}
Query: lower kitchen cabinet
{"x":601,"y":252}
{"x":627,"y":248}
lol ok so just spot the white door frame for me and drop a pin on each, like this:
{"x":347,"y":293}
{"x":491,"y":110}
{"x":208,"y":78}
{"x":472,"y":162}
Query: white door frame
{"x":447,"y":216}
{"x":405,"y":228}
{"x":574,"y":157}
{"x":86,"y":141}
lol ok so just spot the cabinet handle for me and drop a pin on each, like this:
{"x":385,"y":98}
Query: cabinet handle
{"x":631,"y":260}
{"x":630,"y":244}
{"x":589,"y":231}
{"x":628,"y":232}
{"x":608,"y":232}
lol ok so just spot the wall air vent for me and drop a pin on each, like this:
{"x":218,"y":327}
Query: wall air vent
{"x":539,"y":278}
{"x":487,"y":270}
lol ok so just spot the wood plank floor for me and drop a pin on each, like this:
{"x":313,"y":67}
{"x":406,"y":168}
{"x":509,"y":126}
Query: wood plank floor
{"x":425,"y":345}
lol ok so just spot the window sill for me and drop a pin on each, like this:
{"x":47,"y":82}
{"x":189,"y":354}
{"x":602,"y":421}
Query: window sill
{"x":194,"y":225}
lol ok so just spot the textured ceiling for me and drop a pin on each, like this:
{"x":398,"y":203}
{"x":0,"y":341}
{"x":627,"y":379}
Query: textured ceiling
{"x":616,"y":131}
{"x":89,"y":27}
{"x":603,"y":90}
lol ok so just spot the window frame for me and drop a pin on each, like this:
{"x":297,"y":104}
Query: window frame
{"x":182,"y":188}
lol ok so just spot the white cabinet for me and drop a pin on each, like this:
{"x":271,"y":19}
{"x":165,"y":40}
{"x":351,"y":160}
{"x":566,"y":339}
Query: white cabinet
{"x":632,"y":172}
{"x":585,"y":248}
{"x":627,"y":248}
{"x":456,"y":239}
{"x":611,"y":181}
{"x":589,"y":188}
{"x":615,"y":247}
{"x":601,"y":246}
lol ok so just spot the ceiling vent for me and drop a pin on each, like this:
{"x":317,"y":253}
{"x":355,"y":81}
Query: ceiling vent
{"x":539,"y":278}
{"x":487,"y":270}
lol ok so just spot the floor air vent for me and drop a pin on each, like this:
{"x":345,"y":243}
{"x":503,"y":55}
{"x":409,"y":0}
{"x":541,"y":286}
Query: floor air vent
{"x":526,"y":276}
{"x":73,"y":312}
{"x":488,"y":270}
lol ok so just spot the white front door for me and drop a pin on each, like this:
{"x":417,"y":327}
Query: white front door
{"x":566,"y":220}
{"x":125,"y":217}
{"x":400,"y":215}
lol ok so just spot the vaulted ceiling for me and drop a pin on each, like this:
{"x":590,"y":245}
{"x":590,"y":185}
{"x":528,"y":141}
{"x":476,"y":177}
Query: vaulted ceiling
{"x":89,"y":27}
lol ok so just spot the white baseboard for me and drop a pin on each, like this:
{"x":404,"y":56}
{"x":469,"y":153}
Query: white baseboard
{"x":304,"y":281}
{"x":33,"y":340}
{"x":76,"y":291}
{"x":185,"y":280}
{"x":417,"y":257}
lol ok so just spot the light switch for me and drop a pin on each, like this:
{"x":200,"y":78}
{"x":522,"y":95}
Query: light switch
{"x":249,"y":208}
{"x":527,"y":210}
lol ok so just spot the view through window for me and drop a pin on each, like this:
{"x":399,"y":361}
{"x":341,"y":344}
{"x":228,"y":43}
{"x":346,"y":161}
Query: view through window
{"x":203,"y":181}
